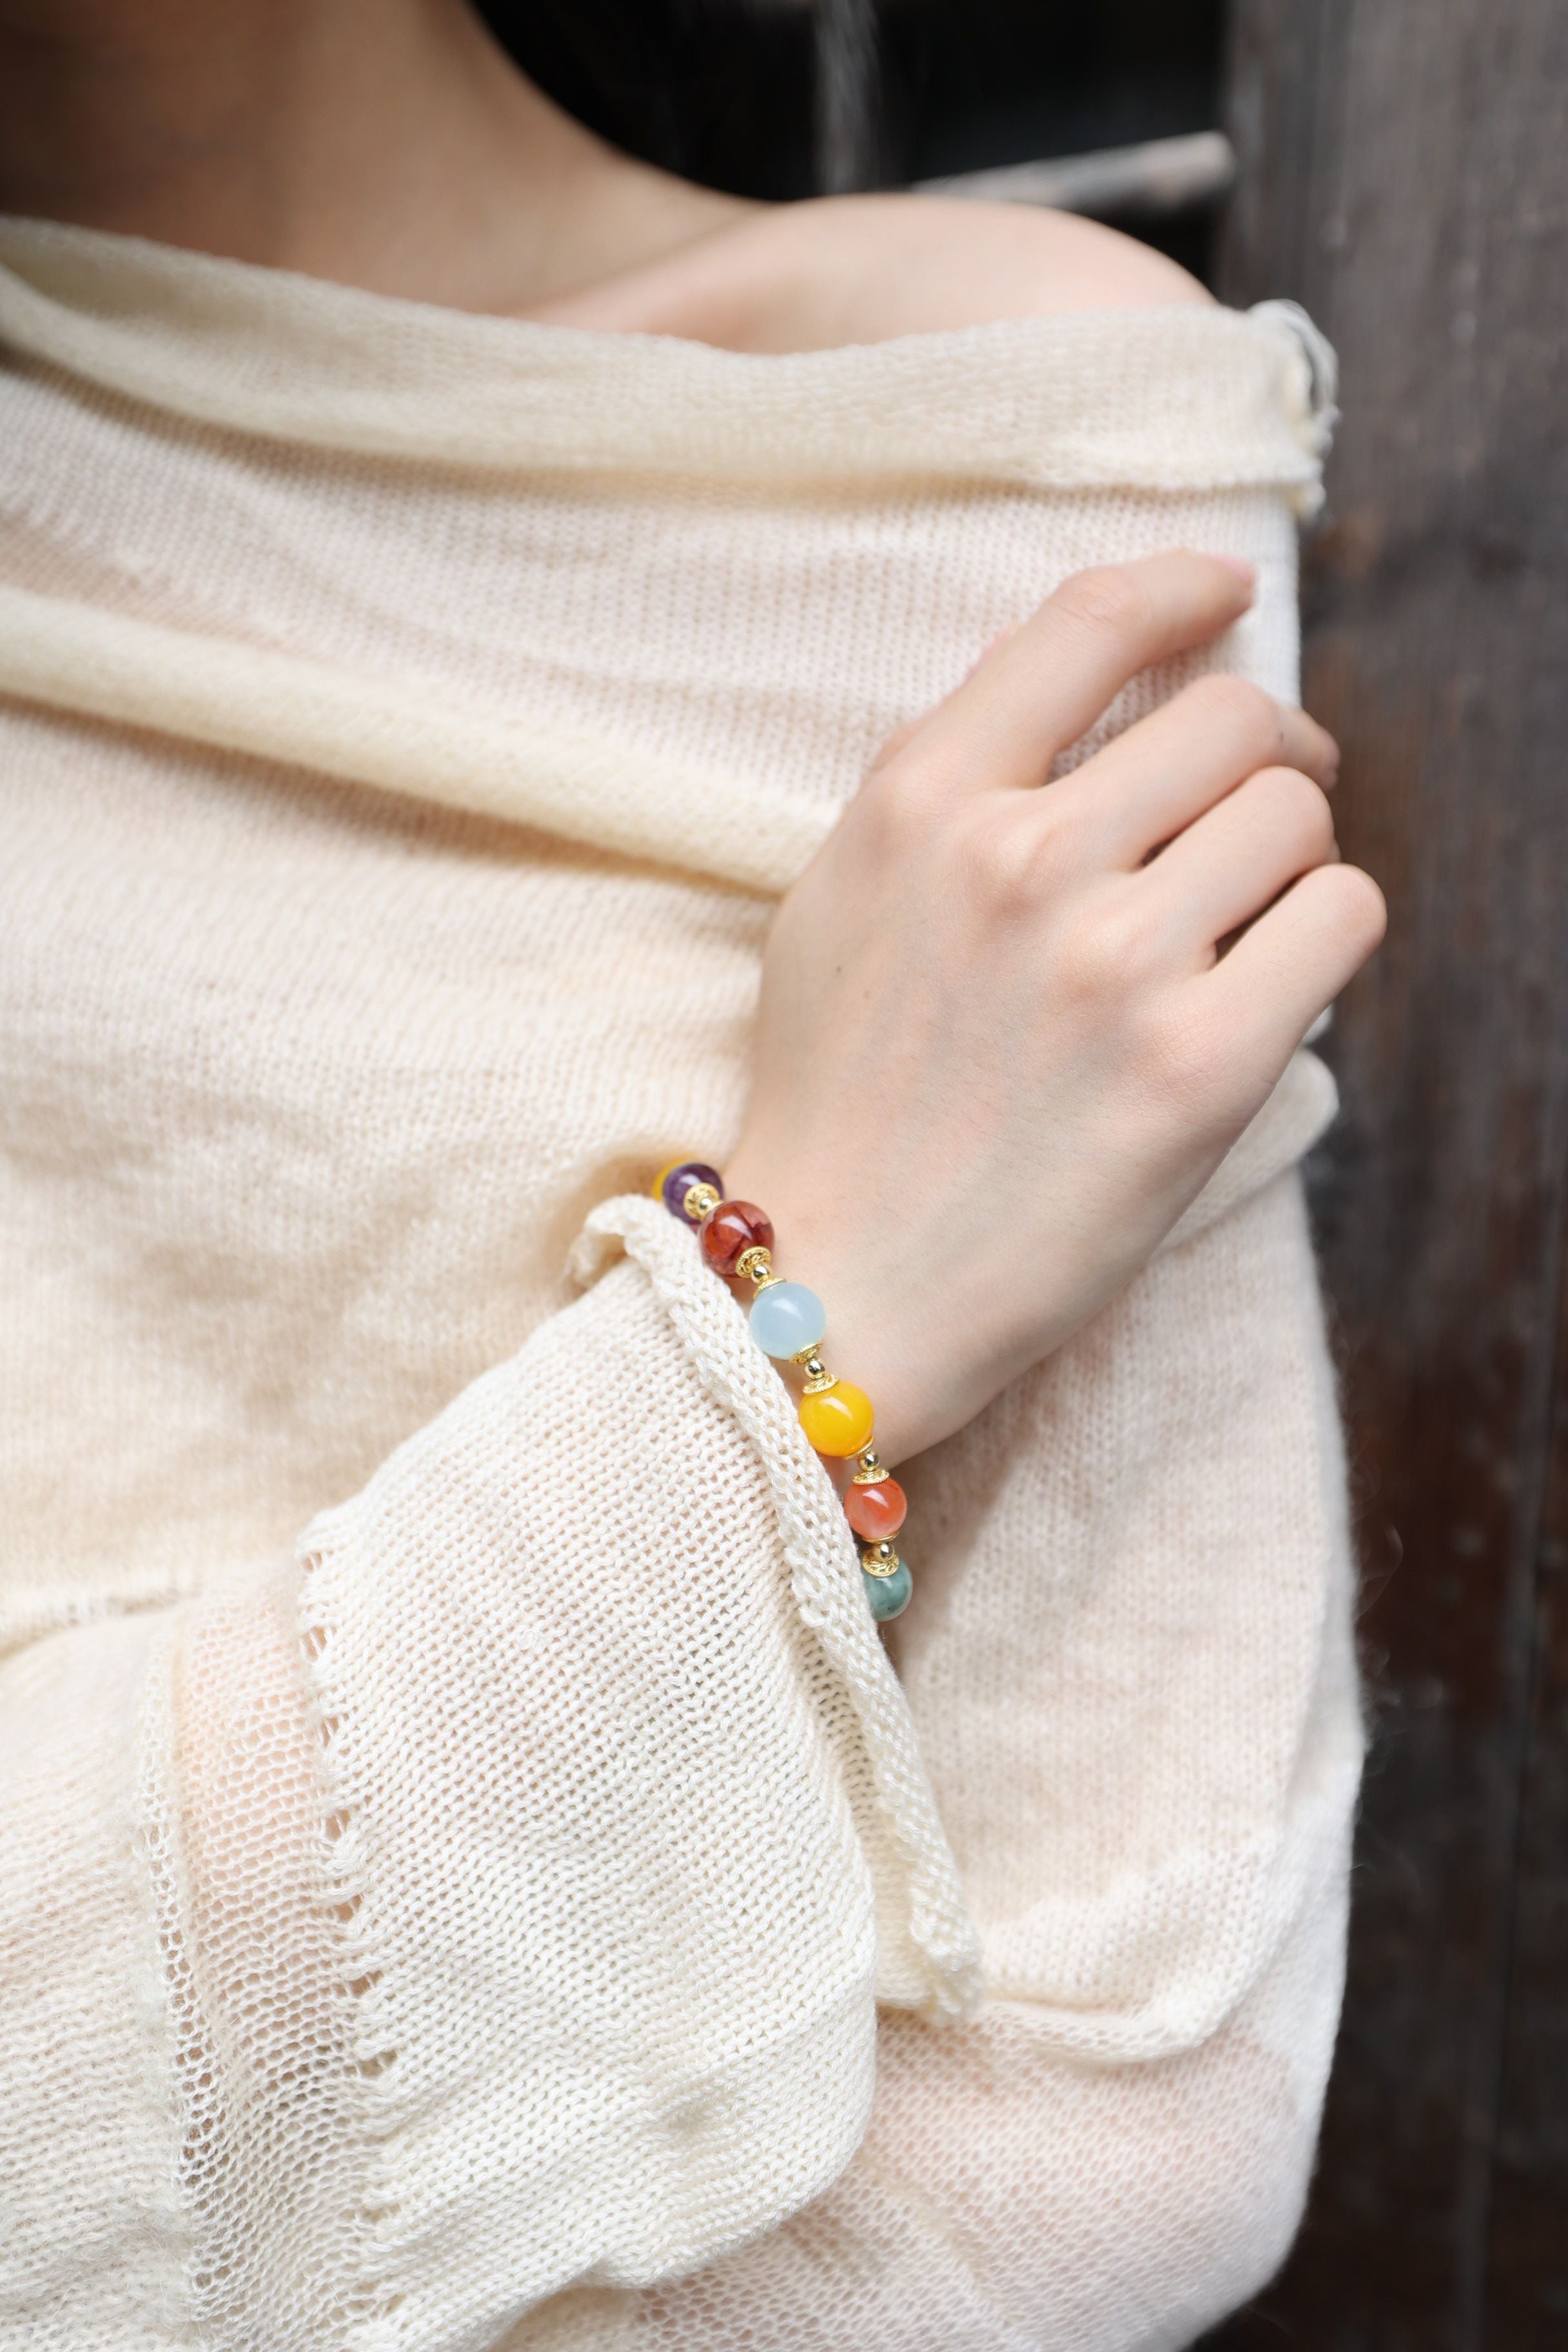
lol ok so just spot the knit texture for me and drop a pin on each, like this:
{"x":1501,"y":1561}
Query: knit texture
{"x":472,"y":1872}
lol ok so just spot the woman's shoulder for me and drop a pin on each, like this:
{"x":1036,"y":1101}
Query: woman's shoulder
{"x":866,"y":269}
{"x":863,"y":269}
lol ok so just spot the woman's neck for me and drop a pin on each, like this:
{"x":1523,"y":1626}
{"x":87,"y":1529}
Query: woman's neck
{"x":387,"y":143}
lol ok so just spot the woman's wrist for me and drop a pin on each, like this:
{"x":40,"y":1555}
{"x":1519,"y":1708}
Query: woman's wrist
{"x":861,"y":1293}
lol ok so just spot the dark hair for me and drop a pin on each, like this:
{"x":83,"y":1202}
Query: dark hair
{"x":720,"y":91}
{"x":793,"y":97}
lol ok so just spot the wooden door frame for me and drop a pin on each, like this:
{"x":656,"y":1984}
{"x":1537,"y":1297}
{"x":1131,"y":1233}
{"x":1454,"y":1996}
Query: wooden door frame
{"x":1404,"y":173}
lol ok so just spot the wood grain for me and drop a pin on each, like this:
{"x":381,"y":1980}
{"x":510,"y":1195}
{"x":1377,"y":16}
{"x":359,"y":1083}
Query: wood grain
{"x":1405,"y":173}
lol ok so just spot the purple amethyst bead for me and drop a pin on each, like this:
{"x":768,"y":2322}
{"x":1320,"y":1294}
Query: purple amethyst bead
{"x":680,"y":1180}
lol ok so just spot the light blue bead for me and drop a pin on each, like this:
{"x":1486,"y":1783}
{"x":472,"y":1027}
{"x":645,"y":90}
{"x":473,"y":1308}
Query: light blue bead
{"x":889,"y":1596}
{"x":786,"y":1318}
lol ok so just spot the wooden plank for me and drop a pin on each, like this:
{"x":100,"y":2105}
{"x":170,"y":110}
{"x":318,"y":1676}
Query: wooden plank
{"x":1402,"y":175}
{"x":1527,"y":2286}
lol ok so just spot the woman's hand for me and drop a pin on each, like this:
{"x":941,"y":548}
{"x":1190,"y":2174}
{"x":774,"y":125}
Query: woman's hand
{"x":999,"y":1049}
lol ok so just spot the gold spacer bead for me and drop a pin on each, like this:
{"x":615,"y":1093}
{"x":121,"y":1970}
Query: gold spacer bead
{"x":818,"y":1377}
{"x":870,"y":1473}
{"x":880,"y":1559}
{"x":696,"y":1201}
{"x":755,"y":1264}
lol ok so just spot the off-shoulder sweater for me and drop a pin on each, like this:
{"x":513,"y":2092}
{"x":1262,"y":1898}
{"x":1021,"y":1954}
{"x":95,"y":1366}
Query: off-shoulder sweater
{"x":471,"y":1871}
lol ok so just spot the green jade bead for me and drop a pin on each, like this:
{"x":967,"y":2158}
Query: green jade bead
{"x":786,"y":1318}
{"x":888,"y":1596}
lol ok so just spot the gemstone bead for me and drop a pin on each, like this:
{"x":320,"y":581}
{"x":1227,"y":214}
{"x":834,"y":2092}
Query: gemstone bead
{"x":786,"y":1318}
{"x":837,"y":1421}
{"x":876,"y":1512}
{"x":675,"y":1183}
{"x":732,"y":1227}
{"x":889,"y":1596}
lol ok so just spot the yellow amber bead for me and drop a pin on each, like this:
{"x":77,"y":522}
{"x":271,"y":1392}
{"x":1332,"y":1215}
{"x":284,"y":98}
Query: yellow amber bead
{"x":837,"y":1421}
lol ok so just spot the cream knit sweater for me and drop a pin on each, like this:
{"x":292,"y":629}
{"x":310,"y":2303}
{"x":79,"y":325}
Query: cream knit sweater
{"x":469,"y":1871}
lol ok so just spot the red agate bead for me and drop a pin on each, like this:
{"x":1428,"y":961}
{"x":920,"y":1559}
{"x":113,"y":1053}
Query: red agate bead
{"x":876,"y":1512}
{"x":733,"y":1227}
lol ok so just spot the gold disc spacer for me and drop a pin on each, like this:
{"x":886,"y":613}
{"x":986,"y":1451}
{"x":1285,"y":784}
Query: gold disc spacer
{"x":870,"y":1473}
{"x":696,"y":1201}
{"x":755,"y":1264}
{"x":880,"y":1559}
{"x":818,"y":1378}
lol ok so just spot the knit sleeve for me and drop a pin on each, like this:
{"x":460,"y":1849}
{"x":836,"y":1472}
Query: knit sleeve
{"x":1133,"y":1678}
{"x":493,"y":1896}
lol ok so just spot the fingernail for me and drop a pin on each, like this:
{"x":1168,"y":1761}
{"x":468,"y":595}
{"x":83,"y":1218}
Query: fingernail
{"x":1242,"y":569}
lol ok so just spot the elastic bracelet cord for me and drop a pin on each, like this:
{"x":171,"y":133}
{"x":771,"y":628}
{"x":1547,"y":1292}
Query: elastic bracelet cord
{"x":788,"y":1322}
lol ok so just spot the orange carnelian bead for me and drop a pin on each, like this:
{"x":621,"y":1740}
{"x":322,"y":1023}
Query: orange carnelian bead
{"x":837,"y":1421}
{"x":732,"y":1227}
{"x":876,"y":1512}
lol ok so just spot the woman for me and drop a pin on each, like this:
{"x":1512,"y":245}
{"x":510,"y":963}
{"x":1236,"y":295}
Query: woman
{"x":473,"y":1873}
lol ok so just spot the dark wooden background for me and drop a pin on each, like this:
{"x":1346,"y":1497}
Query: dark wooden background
{"x":1404,"y":174}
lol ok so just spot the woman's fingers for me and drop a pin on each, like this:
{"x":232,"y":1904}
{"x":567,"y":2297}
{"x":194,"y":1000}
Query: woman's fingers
{"x":1233,"y":862}
{"x":1293,"y":962}
{"x":1037,"y":693}
{"x":1168,"y":769}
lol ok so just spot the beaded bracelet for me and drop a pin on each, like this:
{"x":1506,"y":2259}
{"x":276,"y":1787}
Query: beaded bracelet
{"x":787,"y":1322}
